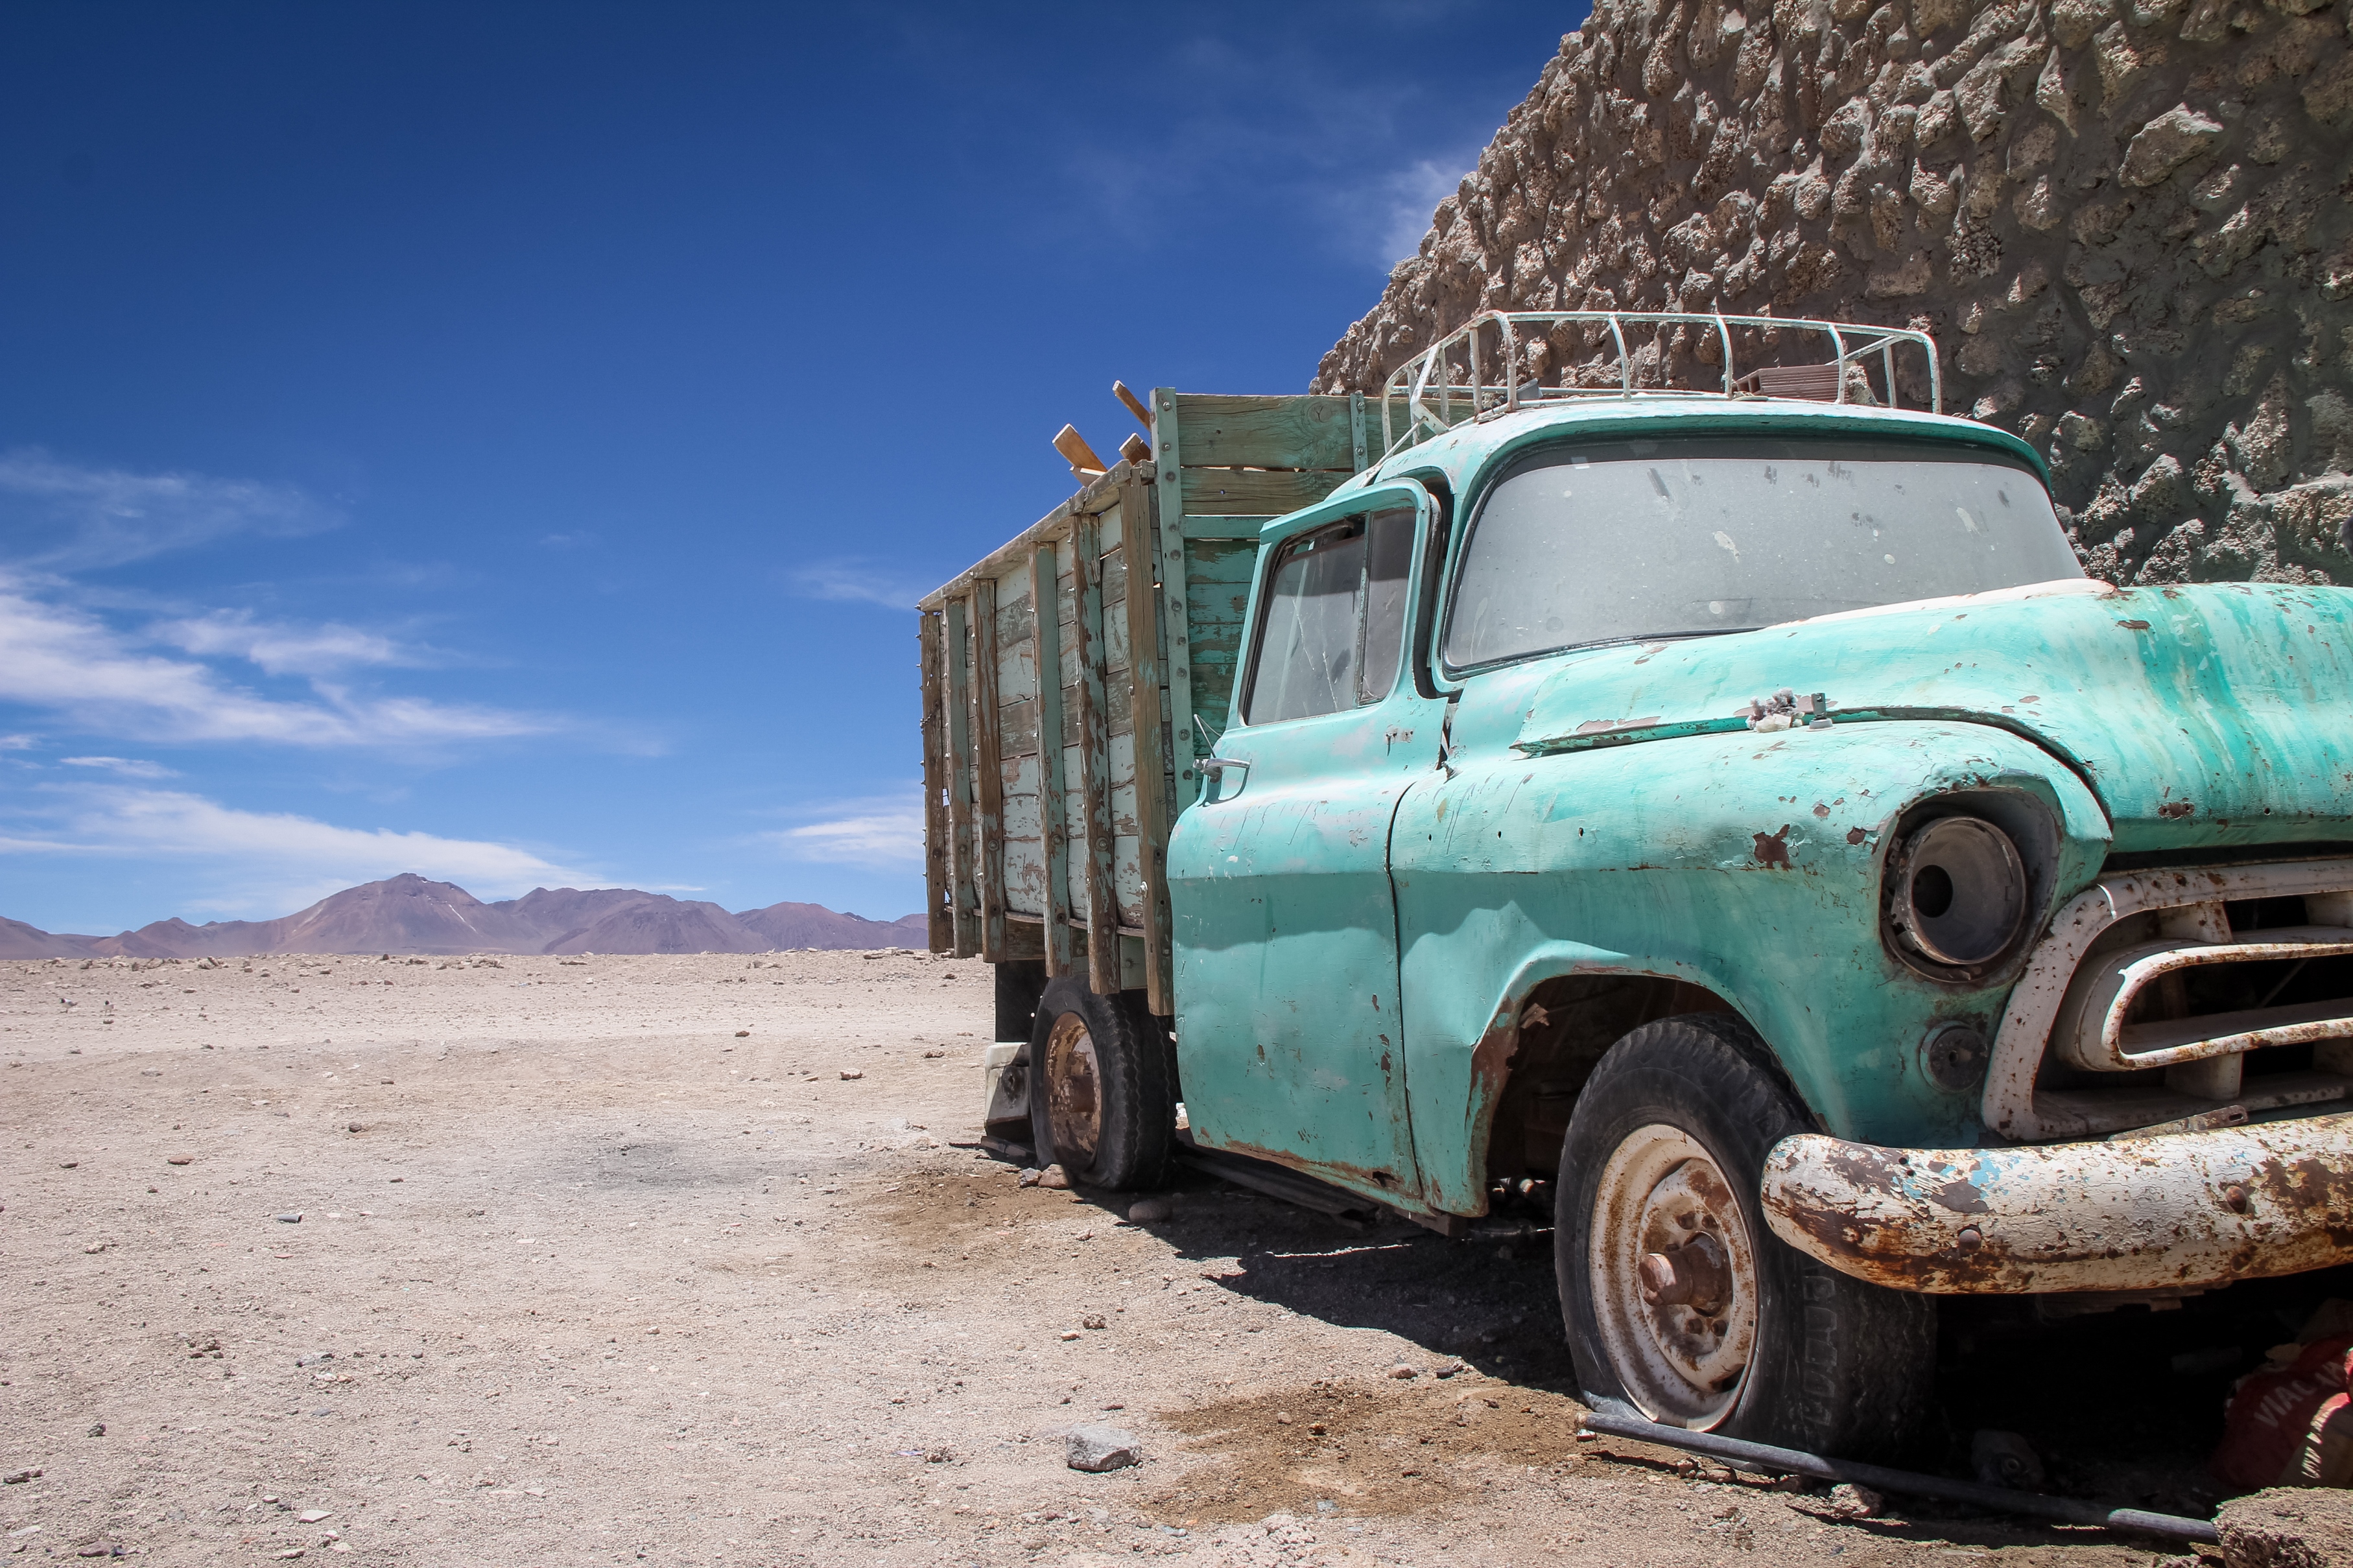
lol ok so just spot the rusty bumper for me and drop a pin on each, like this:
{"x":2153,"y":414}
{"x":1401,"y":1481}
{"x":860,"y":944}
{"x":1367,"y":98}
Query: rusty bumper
{"x":2190,"y":1211}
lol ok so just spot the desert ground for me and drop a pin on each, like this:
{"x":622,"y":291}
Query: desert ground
{"x":693,"y":1261}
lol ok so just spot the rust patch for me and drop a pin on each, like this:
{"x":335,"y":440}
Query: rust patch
{"x":1856,"y":836}
{"x":2134,"y":626}
{"x":2175,"y":809}
{"x":1773,"y":849}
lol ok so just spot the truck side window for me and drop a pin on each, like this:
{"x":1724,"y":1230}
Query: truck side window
{"x":1335,"y":619}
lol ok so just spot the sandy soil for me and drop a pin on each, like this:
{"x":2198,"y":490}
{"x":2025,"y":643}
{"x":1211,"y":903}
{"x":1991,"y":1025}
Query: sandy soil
{"x":585,"y":1273}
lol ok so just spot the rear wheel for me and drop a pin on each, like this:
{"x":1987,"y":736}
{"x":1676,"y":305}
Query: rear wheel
{"x":1101,"y":1104}
{"x":1677,"y":1299}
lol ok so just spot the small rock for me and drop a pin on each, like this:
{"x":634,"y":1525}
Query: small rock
{"x":313,"y":1515}
{"x":98,"y":1428}
{"x":95,"y":1247}
{"x":18,"y":1478}
{"x":1091,"y":1321}
{"x":67,"y":1164}
{"x":2287,"y":1527}
{"x":179,"y":1159}
{"x":99,"y":1549}
{"x":848,"y":1073}
{"x":1451,"y":1369}
{"x":1143,"y":1211}
{"x":1053,"y":1176}
{"x":1030,"y":1174}
{"x":1100,"y":1449}
{"x":294,"y":1218}
{"x":1069,"y":1333}
{"x":743,"y":1034}
{"x":931,"y":1054}
{"x":355,"y":1127}
{"x":1848,"y":1500}
{"x":1403,"y":1371}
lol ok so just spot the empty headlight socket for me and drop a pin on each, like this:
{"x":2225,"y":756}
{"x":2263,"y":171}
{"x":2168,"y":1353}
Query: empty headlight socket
{"x":1942,"y":867}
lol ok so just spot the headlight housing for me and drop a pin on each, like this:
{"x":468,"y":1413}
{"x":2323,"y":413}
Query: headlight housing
{"x":1957,"y":897}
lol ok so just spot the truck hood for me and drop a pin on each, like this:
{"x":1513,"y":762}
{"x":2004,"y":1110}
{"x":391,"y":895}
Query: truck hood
{"x":2200,"y":716}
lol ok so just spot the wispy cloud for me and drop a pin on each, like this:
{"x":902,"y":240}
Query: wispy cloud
{"x":861,"y":580}
{"x":280,"y":648}
{"x":879,"y":830}
{"x":68,"y":516}
{"x":125,"y":767}
{"x":1395,"y":213}
{"x":71,"y":663}
{"x":297,"y":854}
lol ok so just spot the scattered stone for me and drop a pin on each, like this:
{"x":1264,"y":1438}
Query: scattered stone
{"x":1404,"y":1371}
{"x":18,"y":1478}
{"x":1145,"y":1211}
{"x":848,"y":1073}
{"x":314,"y":1515}
{"x":1030,"y":1174}
{"x":95,"y":1247}
{"x":1053,"y":1176}
{"x":743,"y":1034}
{"x":98,"y":1428}
{"x":1091,"y":1321}
{"x":355,"y":1127}
{"x":99,"y":1549}
{"x":1451,"y":1368}
{"x":931,"y":1054}
{"x":1848,"y":1500}
{"x":179,"y":1159}
{"x":1069,"y":1333}
{"x":296,"y":1218}
{"x":67,"y":1164}
{"x":1101,"y":1449}
{"x":2287,"y":1527}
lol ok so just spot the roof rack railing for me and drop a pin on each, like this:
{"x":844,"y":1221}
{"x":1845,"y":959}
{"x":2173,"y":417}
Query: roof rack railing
{"x":1454,"y":369}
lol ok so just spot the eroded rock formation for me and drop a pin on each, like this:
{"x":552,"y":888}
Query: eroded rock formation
{"x":2129,"y":223}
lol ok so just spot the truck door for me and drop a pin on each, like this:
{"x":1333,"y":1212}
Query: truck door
{"x":1284,"y":925}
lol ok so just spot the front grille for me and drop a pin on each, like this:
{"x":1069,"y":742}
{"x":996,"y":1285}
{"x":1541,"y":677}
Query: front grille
{"x":2211,"y":992}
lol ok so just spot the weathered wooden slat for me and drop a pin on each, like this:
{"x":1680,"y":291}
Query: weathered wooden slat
{"x":941,"y":936}
{"x":1152,"y":765}
{"x":1167,"y":440}
{"x":1053,"y":816}
{"x":1224,"y":527}
{"x":1261,"y":492}
{"x":963,"y":897}
{"x":1217,"y":600}
{"x":1018,"y":728}
{"x":1117,"y":705}
{"x":1267,"y":432}
{"x":988,"y":766}
{"x":1100,"y":910}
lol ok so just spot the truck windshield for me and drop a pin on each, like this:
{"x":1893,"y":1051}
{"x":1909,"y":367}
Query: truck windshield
{"x":1632,"y":541}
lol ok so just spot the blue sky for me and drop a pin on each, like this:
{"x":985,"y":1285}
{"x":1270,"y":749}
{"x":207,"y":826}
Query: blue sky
{"x":503,"y":442}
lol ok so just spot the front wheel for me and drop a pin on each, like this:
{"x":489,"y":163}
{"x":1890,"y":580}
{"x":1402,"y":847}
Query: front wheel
{"x":1102,"y":1105}
{"x":1677,"y":1299}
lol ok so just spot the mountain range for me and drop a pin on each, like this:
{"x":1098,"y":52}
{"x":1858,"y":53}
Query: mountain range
{"x":409,"y":914}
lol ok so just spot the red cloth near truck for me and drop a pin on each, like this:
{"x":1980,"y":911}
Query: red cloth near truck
{"x":2292,"y":1425}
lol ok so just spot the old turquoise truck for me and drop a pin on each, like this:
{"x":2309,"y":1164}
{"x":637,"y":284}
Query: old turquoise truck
{"x":1716,"y":792}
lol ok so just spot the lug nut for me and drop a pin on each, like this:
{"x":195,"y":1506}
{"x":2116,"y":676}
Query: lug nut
{"x":1969,"y":1239}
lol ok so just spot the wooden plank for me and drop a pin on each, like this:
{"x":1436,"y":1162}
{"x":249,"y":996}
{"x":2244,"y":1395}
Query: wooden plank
{"x":1168,"y":435}
{"x":989,"y":766}
{"x":1217,"y":600}
{"x":941,"y":936}
{"x":1224,"y":527}
{"x":1292,"y":432}
{"x":964,"y":901}
{"x":1053,"y":816}
{"x":1100,"y":911}
{"x":1152,"y":766}
{"x":1017,"y":727}
{"x":1258,"y":492}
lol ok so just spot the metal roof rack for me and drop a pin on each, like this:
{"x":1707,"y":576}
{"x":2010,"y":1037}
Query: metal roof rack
{"x":1478,"y":371}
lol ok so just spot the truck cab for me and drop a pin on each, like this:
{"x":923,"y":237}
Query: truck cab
{"x":1735,"y":812}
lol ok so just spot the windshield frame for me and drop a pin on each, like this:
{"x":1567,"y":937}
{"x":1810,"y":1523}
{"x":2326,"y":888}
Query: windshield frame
{"x":1977,"y":444}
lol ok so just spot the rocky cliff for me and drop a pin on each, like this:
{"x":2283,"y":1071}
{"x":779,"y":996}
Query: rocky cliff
{"x":2129,"y":223}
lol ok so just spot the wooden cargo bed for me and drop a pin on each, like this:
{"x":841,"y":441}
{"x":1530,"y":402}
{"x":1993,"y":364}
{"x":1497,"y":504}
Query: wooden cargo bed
{"x":1047,"y":804}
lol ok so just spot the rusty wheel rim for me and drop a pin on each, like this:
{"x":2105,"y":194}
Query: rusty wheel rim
{"x":1674,"y":1279}
{"x":1073,"y":1086}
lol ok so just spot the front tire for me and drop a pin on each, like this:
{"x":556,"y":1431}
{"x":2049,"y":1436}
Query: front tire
{"x":1101,"y":1104}
{"x":1679,"y":1302}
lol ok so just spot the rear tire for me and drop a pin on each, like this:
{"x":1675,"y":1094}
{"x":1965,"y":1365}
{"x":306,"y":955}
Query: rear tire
{"x":1101,"y":1102}
{"x":1679,"y":1303}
